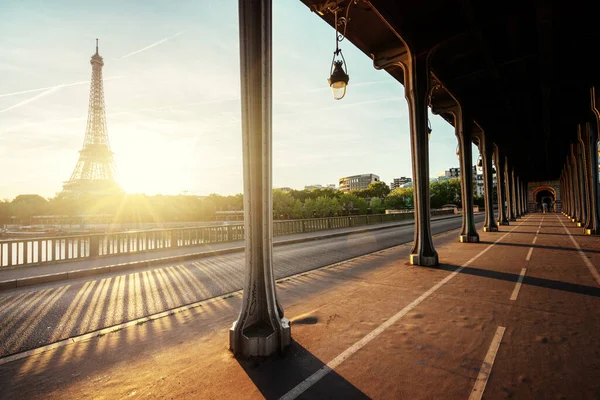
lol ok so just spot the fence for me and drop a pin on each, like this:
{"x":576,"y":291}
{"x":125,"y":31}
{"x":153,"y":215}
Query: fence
{"x":36,"y":251}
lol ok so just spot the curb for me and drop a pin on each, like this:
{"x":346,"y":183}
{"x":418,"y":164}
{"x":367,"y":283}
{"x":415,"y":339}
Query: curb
{"x":61,"y":276}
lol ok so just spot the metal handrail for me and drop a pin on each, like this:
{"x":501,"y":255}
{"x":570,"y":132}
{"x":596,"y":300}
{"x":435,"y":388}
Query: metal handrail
{"x":48,"y":250}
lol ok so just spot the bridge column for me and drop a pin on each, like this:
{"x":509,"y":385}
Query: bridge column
{"x":501,"y":188}
{"x":261,"y":329}
{"x":576,"y":217}
{"x":524,"y":198}
{"x":581,"y":168}
{"x":416,"y":90}
{"x":591,"y":137}
{"x":518,"y":196}
{"x":464,"y":133}
{"x":486,"y":150}
{"x":569,"y":179}
{"x":513,"y":194}
{"x":564,"y":191}
{"x":509,"y":192}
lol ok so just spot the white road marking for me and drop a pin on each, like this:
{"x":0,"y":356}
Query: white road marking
{"x":534,"y":240}
{"x":515,"y":292}
{"x":538,"y":232}
{"x":586,"y":260}
{"x":486,"y":367}
{"x":529,"y":254}
{"x":331,"y":365}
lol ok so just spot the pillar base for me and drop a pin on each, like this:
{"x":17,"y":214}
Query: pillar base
{"x":580,"y":224}
{"x":468,"y":239}
{"x":512,"y":219}
{"x":259,"y":340}
{"x":500,"y":223}
{"x":589,"y":231}
{"x":425,"y":261}
{"x":573,"y":220}
{"x":491,"y":228}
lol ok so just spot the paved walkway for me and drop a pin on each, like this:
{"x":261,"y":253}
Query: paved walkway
{"x":87,"y":264}
{"x":515,"y":316}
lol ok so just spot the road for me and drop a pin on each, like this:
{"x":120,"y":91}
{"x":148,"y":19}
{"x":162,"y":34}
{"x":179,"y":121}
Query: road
{"x":31,"y":317}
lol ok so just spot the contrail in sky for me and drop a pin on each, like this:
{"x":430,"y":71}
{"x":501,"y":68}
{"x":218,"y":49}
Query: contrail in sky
{"x":45,"y":91}
{"x":152,"y":45}
{"x":29,"y":100}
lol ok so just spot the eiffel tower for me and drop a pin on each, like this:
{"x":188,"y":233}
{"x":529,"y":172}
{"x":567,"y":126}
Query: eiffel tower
{"x":95,"y":170}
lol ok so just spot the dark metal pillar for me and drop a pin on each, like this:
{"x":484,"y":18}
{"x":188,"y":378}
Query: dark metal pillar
{"x":260,"y":329}
{"x":593,"y":226}
{"x":575,"y":184}
{"x":581,"y":168}
{"x":487,"y":151}
{"x":518,"y":196}
{"x":569,"y":180}
{"x":513,"y":194}
{"x":509,"y":192}
{"x":416,"y":78}
{"x":524,"y":205}
{"x":464,"y":133}
{"x":501,"y":188}
{"x":562,"y":190}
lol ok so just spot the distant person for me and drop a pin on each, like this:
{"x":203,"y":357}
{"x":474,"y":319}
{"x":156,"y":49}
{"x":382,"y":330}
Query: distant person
{"x":545,"y":207}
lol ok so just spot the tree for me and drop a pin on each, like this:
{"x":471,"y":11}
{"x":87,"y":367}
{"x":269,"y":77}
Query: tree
{"x":379,"y":189}
{"x":377,"y":206}
{"x":283,"y":203}
{"x":400,"y":198}
{"x":348,"y":203}
{"x":309,"y":208}
{"x":361,"y":205}
{"x":27,"y":205}
{"x":444,"y":192}
{"x":298,"y":209}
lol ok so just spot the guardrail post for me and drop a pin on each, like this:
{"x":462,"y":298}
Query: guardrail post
{"x":94,"y":246}
{"x":174,"y":239}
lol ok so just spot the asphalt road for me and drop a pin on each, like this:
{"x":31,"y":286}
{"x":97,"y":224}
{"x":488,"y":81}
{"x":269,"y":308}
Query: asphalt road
{"x":31,"y":317}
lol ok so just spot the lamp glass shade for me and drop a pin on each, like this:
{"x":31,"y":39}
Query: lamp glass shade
{"x":338,"y":80}
{"x":338,"y":89}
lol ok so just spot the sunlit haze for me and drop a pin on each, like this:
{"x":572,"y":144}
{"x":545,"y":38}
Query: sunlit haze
{"x":172,"y":98}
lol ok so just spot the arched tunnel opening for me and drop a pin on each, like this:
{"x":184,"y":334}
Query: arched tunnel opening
{"x":545,"y":196}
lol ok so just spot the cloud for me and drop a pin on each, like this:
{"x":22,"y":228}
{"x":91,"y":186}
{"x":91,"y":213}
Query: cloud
{"x":152,"y":45}
{"x":45,"y":91}
{"x":29,"y":100}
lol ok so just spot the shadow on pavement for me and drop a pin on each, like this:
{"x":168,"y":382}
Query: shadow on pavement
{"x":275,"y":377}
{"x":527,"y":280}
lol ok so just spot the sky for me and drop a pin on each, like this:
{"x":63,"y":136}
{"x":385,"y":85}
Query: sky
{"x":172,"y":94}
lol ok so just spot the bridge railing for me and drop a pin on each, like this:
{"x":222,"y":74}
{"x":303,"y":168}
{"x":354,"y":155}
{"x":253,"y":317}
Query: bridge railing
{"x":47,"y":250}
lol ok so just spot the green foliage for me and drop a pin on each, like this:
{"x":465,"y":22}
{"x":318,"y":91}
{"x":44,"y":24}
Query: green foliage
{"x":444,"y":192}
{"x":283,"y":204}
{"x":377,"y":206}
{"x":399,"y":198}
{"x":361,"y":205}
{"x":379,"y":189}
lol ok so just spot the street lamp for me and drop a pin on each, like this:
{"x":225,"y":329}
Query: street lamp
{"x":480,"y":162}
{"x":338,"y":73}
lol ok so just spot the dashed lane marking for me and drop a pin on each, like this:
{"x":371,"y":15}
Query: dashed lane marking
{"x":515,"y":292}
{"x":486,"y":367}
{"x":529,"y":254}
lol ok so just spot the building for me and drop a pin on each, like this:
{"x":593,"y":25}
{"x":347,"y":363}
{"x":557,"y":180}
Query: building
{"x":398,"y":182}
{"x":357,"y":182}
{"x":284,"y":188}
{"x":452,"y":173}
